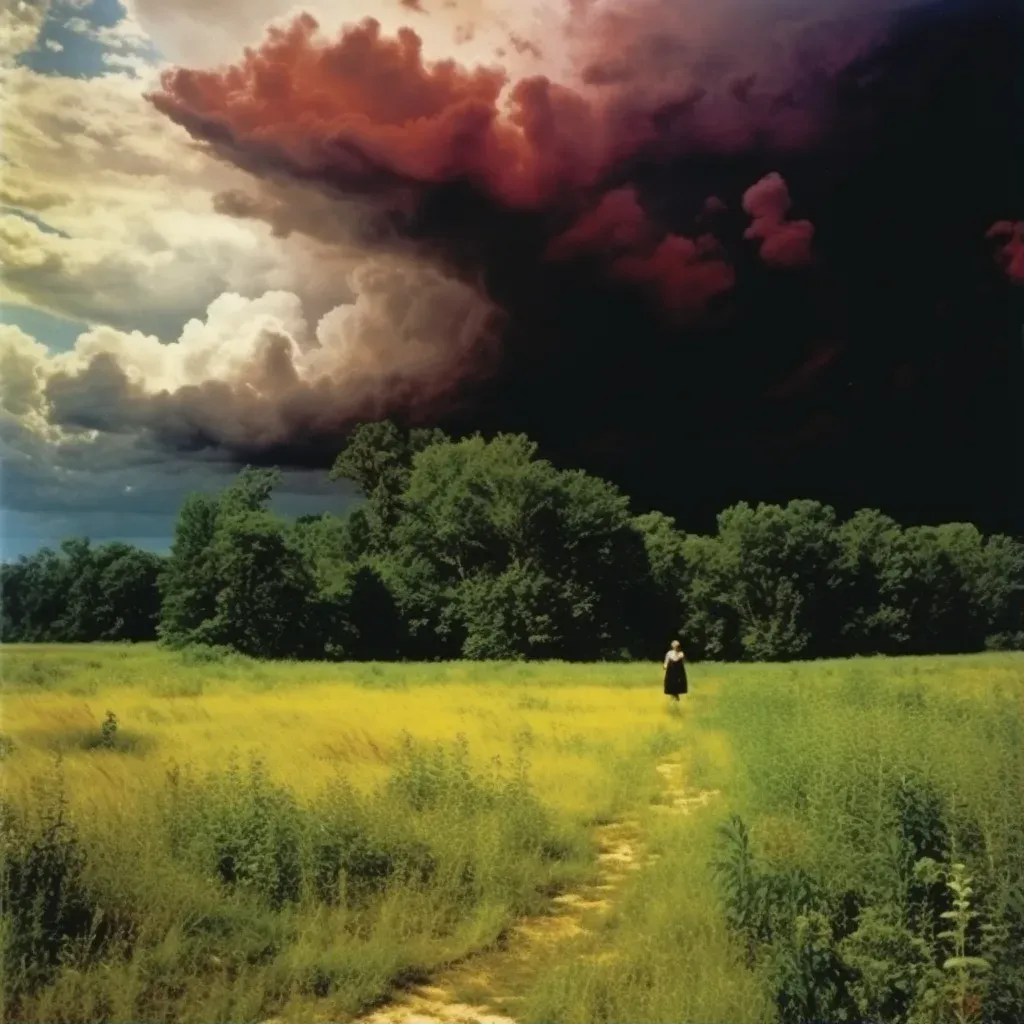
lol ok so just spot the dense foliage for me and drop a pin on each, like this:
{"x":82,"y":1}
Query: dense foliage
{"x":479,"y":549}
{"x":81,"y":593}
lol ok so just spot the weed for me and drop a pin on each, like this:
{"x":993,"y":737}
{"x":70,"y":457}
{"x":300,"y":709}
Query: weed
{"x":963,"y":969}
{"x":108,"y":731}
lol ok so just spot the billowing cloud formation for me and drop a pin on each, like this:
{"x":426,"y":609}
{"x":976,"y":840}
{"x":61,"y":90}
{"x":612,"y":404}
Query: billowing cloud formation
{"x":121,"y":227}
{"x":20,"y":22}
{"x":634,"y":202}
{"x":254,"y":374}
{"x":365,"y":114}
{"x":451,"y":159}
{"x":683,"y":275}
{"x":589,"y":182}
{"x":121,"y":483}
{"x":22,"y":359}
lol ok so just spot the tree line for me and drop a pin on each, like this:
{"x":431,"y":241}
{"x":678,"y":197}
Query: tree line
{"x":480,"y":549}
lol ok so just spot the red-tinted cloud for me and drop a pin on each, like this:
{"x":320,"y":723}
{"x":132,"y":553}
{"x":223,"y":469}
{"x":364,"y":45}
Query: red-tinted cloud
{"x":617,"y":223}
{"x":364,"y":113}
{"x":784,"y":243}
{"x":685,"y":275}
{"x":682,"y":275}
{"x":508,"y":183}
{"x":1010,"y":235}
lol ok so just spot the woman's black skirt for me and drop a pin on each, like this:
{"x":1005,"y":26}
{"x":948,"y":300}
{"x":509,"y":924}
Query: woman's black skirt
{"x":675,"y":678}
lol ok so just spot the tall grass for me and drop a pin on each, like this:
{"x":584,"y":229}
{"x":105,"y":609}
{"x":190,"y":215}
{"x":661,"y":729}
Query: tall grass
{"x":247,"y":839}
{"x":866,"y":862}
{"x":227,"y":898}
{"x":218,"y":839}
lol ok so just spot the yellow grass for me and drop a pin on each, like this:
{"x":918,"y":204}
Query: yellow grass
{"x":760,"y":735}
{"x":308,"y":721}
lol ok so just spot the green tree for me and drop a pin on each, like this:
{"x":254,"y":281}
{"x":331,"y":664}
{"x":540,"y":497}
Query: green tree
{"x":500,"y":551}
{"x":358,"y":613}
{"x":998,"y":592}
{"x":374,"y":623}
{"x":189,"y":585}
{"x":937,"y":590}
{"x":322,"y":540}
{"x":122,"y":589}
{"x":250,"y":491}
{"x":784,"y":563}
{"x":35,"y":598}
{"x":510,"y":616}
{"x":673,"y":612}
{"x":193,"y":580}
{"x":876,"y":566}
{"x":265,"y":592}
{"x":84,"y":593}
{"x":711,"y":623}
{"x":79,"y":622}
{"x":378,"y":459}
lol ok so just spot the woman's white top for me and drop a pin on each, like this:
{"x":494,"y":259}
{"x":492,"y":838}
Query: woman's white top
{"x":673,"y":655}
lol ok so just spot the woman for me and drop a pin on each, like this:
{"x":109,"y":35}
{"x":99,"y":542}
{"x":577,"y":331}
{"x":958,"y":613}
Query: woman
{"x":675,"y":671}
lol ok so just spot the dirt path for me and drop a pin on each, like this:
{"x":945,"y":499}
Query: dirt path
{"x":481,"y":990}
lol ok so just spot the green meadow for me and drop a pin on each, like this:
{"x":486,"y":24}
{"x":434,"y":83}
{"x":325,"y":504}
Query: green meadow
{"x":200,"y":837}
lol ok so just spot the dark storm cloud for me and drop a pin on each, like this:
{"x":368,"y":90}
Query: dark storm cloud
{"x":877,"y":138}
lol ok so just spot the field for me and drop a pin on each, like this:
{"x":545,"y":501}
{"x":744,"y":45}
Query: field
{"x":244,"y":841}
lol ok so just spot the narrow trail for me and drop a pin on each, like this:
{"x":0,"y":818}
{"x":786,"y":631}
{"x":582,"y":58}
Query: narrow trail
{"x":482,"y":989}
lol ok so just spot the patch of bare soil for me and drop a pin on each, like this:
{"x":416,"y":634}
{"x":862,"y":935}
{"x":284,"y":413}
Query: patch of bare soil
{"x":681,"y":800}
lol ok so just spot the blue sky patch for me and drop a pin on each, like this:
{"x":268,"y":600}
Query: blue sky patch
{"x":73,"y":53}
{"x":55,"y":332}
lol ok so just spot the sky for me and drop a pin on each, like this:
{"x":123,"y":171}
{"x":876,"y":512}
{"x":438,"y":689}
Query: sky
{"x":713,"y":250}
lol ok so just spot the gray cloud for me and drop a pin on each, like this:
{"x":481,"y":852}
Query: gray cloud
{"x":254,"y":375}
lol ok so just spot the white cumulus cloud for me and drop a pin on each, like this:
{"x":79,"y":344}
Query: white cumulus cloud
{"x":135,"y":239}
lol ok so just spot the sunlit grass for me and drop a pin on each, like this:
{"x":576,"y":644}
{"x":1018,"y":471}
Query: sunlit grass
{"x":308,"y":721}
{"x":808,"y":755}
{"x":803,"y":752}
{"x":585,"y":734}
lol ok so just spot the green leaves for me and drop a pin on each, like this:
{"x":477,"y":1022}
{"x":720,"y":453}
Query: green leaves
{"x":235,"y":577}
{"x":782,"y":582}
{"x":82,"y":593}
{"x":378,"y":459}
{"x":501,"y":555}
{"x":264,"y":588}
{"x":955,"y":963}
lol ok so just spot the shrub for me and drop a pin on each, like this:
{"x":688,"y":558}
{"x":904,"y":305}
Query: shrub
{"x":44,"y":903}
{"x":239,"y":828}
